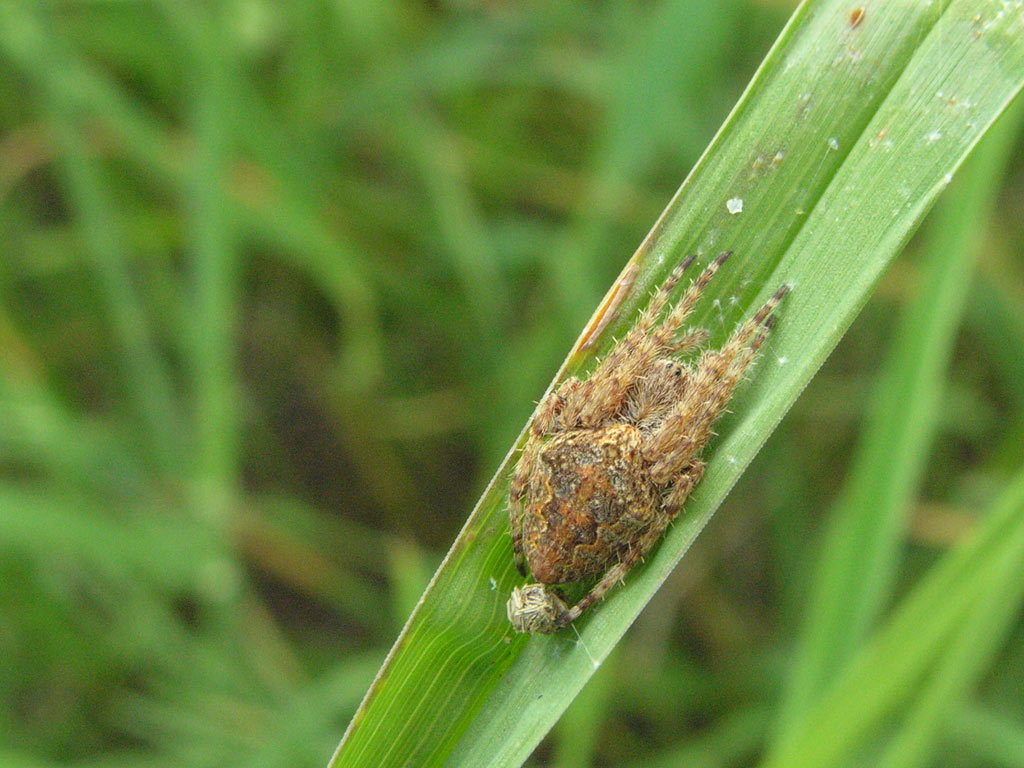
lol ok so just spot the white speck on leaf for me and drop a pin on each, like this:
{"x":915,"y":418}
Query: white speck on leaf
{"x":934,"y":136}
{"x":833,"y":143}
{"x":494,"y":584}
{"x":734,"y":205}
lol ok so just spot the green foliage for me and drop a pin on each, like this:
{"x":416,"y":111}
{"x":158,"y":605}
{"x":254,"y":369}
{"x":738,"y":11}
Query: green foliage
{"x":281,"y":282}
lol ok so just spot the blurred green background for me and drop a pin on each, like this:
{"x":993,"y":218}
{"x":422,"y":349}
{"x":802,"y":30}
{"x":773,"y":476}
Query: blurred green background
{"x":279,"y":286}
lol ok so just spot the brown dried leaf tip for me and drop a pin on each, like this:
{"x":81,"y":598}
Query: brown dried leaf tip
{"x":610,"y":459}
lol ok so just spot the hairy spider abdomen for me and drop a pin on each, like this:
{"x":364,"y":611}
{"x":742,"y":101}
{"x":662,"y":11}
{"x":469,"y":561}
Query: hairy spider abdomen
{"x":587,"y":500}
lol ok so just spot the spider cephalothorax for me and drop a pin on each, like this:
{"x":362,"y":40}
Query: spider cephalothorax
{"x":610,"y":459}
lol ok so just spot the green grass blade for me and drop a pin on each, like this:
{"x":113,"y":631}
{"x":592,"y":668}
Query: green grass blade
{"x":578,"y":731}
{"x":848,"y":133}
{"x":287,"y":222}
{"x":990,"y":736}
{"x":966,"y":658}
{"x":145,"y":375}
{"x":214,"y":266}
{"x":860,"y":551}
{"x":957,"y":599}
{"x":730,"y":742}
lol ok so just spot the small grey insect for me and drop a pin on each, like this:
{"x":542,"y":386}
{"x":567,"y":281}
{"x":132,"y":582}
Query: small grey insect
{"x":610,"y":459}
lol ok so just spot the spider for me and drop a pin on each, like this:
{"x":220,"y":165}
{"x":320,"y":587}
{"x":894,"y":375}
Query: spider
{"x":609,"y":460}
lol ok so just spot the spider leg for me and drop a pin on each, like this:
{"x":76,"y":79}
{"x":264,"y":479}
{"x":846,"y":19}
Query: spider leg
{"x":682,"y":310}
{"x":603,"y":393}
{"x":683,"y":486}
{"x":690,"y":340}
{"x":687,"y":428}
{"x":515,"y":500}
{"x":546,"y":420}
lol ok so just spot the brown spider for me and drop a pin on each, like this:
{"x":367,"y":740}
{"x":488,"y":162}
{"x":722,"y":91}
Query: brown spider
{"x":610,"y":460}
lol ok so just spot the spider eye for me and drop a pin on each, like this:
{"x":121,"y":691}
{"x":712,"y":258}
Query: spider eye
{"x":678,"y":372}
